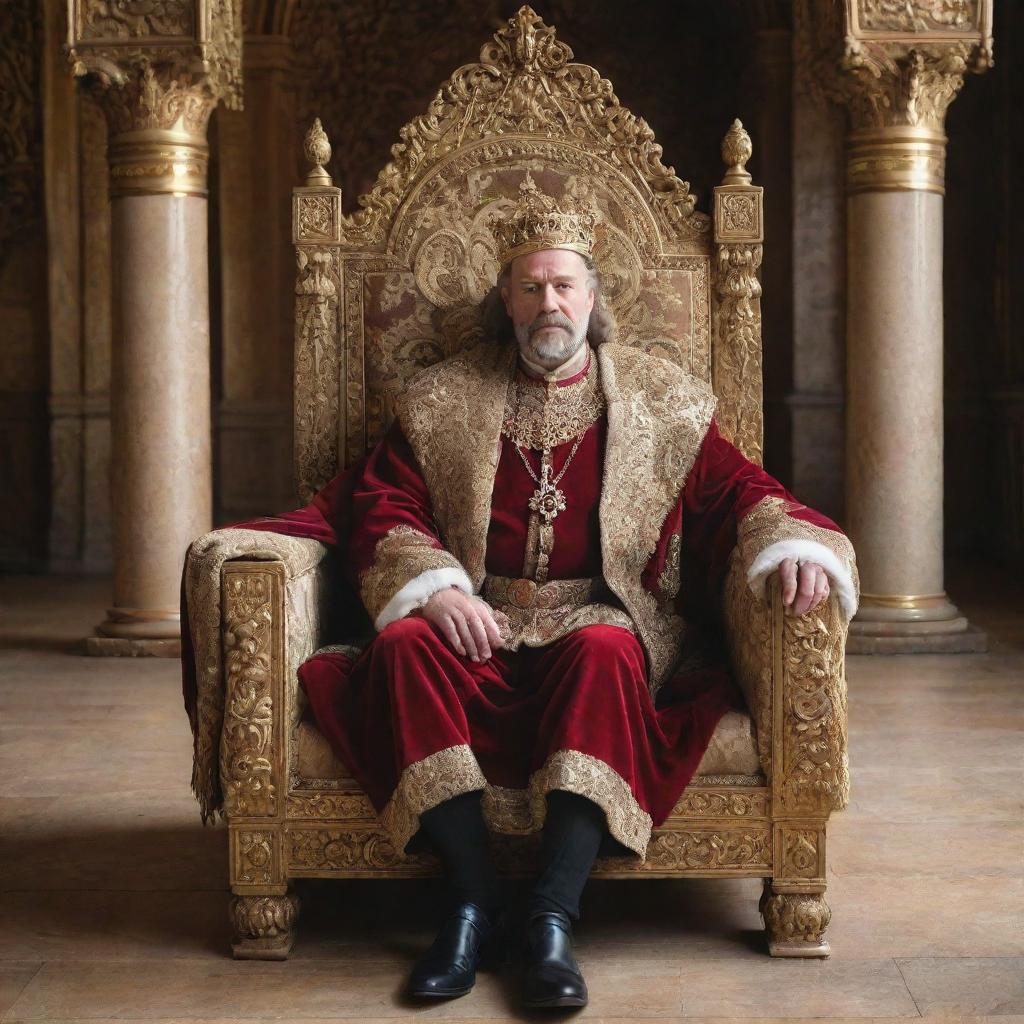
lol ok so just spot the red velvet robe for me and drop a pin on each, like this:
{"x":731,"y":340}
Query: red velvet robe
{"x":416,"y":723}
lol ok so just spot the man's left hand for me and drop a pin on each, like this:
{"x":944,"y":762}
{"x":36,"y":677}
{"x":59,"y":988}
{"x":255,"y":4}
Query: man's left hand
{"x":804,"y":586}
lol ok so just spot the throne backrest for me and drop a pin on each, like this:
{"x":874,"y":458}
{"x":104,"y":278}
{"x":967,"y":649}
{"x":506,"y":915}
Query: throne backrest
{"x":397,"y":285}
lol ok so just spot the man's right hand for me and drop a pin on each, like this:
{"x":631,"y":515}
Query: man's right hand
{"x":467,"y":623}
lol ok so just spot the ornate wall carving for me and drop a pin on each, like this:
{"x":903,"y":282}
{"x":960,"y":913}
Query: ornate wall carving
{"x":899,"y":16}
{"x":21,"y":32}
{"x":23,"y":298}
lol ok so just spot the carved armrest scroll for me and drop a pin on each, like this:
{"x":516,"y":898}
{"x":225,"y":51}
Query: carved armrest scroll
{"x":252,"y":623}
{"x":792,"y":672}
{"x":748,"y":624}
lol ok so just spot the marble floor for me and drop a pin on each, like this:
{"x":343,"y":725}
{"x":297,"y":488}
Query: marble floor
{"x":113,"y":904}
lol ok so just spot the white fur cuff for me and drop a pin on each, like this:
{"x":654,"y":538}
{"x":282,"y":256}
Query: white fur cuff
{"x":774,"y":555}
{"x":421,"y":589}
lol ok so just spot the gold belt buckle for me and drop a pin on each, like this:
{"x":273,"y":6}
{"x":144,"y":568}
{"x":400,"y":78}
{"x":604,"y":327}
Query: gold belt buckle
{"x":522,"y":593}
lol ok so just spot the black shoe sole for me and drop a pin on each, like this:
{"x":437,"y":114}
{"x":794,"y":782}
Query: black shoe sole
{"x":558,"y":1001}
{"x":434,"y":994}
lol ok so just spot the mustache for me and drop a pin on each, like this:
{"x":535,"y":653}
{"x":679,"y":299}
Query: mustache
{"x":551,"y":320}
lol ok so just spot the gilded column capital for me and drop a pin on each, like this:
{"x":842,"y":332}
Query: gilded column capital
{"x":904,"y":62}
{"x":158,"y":71}
{"x":896,"y":65}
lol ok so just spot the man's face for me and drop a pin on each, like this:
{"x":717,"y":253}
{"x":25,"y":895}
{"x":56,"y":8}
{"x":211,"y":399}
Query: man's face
{"x":549,"y":298}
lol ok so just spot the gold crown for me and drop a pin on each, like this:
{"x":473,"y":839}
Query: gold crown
{"x":536,"y":223}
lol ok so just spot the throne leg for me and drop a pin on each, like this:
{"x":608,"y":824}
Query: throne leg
{"x":264,"y":926}
{"x":795,"y":922}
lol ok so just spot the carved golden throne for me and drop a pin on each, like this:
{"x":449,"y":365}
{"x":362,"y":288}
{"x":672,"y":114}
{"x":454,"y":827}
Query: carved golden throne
{"x":395,"y":287}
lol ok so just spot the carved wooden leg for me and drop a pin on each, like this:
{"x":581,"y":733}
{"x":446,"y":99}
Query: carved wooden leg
{"x":795,"y":922}
{"x":264,"y":926}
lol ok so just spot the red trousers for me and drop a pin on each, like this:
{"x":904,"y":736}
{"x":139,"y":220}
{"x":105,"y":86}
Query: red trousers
{"x":576,"y":714}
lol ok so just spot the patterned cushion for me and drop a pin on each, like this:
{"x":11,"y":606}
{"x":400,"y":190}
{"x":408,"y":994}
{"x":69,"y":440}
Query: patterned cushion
{"x":732,"y":751}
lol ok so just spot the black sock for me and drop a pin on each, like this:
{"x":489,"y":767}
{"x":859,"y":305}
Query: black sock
{"x":457,"y":829}
{"x":573,"y":831}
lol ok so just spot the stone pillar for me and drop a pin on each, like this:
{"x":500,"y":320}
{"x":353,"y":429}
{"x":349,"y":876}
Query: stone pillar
{"x":904,"y":66}
{"x":158,"y":75}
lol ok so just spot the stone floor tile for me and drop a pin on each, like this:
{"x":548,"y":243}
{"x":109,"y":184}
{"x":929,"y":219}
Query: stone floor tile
{"x":897,"y":917}
{"x":948,"y":748}
{"x":993,"y":986}
{"x":205,"y":988}
{"x":97,"y":925}
{"x":14,"y":976}
{"x":933,"y":793}
{"x":187,"y":988}
{"x":939,"y":849}
{"x":140,"y":854}
{"x":795,"y":988}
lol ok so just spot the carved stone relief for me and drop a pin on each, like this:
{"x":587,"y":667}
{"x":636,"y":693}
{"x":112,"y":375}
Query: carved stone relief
{"x":923,"y":16}
{"x":21,"y":35}
{"x":138,"y":19}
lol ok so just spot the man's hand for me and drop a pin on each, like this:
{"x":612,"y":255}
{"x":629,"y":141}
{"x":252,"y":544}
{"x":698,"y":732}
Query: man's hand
{"x":804,"y":586}
{"x":467,"y":623}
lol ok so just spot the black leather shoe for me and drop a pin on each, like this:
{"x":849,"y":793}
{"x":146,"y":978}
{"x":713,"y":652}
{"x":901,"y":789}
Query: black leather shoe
{"x":448,"y":968}
{"x":552,"y":977}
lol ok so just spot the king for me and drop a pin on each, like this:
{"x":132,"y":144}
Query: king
{"x":574,"y":691}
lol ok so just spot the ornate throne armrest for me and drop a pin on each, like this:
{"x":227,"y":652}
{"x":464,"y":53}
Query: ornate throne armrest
{"x":792,"y":673}
{"x":255,"y":604}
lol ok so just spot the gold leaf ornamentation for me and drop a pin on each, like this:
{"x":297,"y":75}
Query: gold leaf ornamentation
{"x":254,"y":858}
{"x":737,"y":364}
{"x":799,"y":853}
{"x":730,"y":804}
{"x":264,"y":926}
{"x":929,"y":16}
{"x":246,"y":765}
{"x":815,"y":769}
{"x":317,"y":291}
{"x":793,"y":918}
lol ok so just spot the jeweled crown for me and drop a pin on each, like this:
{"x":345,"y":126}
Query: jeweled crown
{"x":537,"y":223}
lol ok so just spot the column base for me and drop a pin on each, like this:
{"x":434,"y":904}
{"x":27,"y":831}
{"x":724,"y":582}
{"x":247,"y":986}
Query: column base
{"x":948,"y":636}
{"x":136,"y":633}
{"x":122,"y":647}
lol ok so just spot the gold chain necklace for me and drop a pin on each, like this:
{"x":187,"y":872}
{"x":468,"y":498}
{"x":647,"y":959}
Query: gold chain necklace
{"x":539,"y":415}
{"x":547,"y":500}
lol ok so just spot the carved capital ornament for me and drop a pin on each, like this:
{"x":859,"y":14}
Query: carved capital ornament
{"x":903,"y":65}
{"x":158,"y":71}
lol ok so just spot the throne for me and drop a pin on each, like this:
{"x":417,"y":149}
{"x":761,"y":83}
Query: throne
{"x":395,"y":287}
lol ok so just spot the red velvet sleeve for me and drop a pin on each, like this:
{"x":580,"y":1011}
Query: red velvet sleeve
{"x":396,"y":557}
{"x":728,"y":500}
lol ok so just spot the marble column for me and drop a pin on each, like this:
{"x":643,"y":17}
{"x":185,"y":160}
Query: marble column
{"x":157,"y":110}
{"x":898,"y":93}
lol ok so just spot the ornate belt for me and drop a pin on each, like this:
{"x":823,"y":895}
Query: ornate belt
{"x":524,"y":593}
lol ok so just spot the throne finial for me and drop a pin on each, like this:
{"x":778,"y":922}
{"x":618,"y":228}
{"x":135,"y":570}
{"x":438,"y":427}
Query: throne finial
{"x":736,"y":151}
{"x":318,"y":153}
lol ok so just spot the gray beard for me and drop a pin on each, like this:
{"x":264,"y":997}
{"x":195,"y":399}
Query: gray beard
{"x":551,"y":347}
